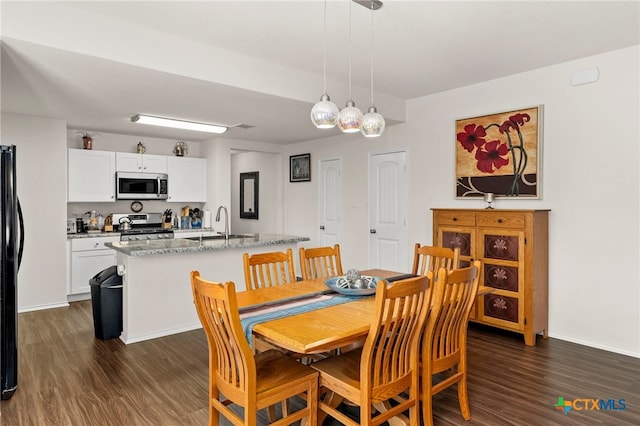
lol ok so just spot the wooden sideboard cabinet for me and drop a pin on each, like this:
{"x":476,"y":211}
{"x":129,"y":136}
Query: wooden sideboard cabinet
{"x":513,"y":248}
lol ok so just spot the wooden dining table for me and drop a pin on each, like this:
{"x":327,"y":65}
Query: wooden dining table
{"x":319,"y":330}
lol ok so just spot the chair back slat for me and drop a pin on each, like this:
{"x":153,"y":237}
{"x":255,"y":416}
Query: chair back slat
{"x":429,"y":258}
{"x":268,"y":269}
{"x":320,"y":262}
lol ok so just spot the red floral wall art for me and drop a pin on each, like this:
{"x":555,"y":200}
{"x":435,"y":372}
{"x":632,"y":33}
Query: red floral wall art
{"x":499,"y":153}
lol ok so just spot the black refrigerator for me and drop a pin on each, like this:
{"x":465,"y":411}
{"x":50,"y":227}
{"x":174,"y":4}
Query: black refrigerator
{"x":12,"y":230}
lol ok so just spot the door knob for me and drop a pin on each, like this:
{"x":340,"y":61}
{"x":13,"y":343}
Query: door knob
{"x":322,"y":227}
{"x":372,"y":231}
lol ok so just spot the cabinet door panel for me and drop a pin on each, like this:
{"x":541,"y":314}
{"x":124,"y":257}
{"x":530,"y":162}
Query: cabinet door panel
{"x":147,"y":163}
{"x":501,"y":307}
{"x":85,"y":264}
{"x":501,"y":277}
{"x":154,"y":163}
{"x":458,"y":238}
{"x":501,"y":247}
{"x":187,"y":179}
{"x":128,"y":162}
{"x":91,"y":176}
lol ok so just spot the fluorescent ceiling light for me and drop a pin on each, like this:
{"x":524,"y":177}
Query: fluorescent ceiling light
{"x":178,"y":124}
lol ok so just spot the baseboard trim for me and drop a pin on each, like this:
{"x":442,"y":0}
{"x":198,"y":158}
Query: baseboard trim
{"x":43,"y":307}
{"x":595,"y":345}
{"x":161,"y":333}
{"x":78,"y":297}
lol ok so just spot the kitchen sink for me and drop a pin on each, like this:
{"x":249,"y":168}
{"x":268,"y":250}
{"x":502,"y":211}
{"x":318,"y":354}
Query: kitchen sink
{"x":220,"y":237}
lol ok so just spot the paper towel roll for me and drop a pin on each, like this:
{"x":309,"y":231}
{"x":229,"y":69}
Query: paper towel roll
{"x":206,"y":219}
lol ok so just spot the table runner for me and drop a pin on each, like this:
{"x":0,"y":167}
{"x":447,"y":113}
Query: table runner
{"x":250,"y":317}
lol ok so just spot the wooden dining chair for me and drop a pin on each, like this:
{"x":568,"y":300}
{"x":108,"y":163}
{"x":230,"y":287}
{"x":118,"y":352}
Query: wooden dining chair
{"x":268,"y":269}
{"x":429,"y":258}
{"x":387,"y":364}
{"x":444,"y":343}
{"x":251,"y":382}
{"x":320,"y":262}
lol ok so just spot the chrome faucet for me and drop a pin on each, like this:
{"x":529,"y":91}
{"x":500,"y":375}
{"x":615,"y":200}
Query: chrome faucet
{"x":226,"y":221}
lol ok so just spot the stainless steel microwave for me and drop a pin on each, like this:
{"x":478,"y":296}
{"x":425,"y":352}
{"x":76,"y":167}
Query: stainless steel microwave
{"x":141,"y":186}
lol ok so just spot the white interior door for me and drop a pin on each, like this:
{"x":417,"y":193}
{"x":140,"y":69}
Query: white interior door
{"x":329,"y":201}
{"x":388,"y":211}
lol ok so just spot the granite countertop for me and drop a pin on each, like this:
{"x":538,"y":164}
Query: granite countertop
{"x":117,"y":234}
{"x":183,"y":245}
{"x":92,"y":235}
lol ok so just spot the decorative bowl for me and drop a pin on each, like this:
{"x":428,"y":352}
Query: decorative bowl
{"x":364,"y":286}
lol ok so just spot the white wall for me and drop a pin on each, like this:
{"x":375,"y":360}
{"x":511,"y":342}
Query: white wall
{"x":590,"y":181}
{"x":221,"y":178}
{"x":41,"y":183}
{"x":269,"y":194}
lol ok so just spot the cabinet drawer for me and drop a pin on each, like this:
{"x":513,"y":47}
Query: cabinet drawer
{"x":456,"y":218}
{"x":501,"y":220}
{"x":81,"y":244}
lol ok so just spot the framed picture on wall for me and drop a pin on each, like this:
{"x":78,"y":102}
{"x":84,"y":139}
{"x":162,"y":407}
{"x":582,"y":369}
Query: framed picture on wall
{"x":249,"y":195}
{"x":500,"y":154}
{"x":300,"y":168}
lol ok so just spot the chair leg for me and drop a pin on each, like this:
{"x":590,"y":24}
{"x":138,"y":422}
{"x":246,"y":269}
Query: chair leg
{"x":427,"y":399}
{"x":463,"y":398}
{"x":214,"y":414}
{"x":312,"y":403}
{"x":214,"y":417}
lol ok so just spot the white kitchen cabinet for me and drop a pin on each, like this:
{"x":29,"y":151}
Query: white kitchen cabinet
{"x":88,"y":257}
{"x":91,"y":176}
{"x":187,"y":179}
{"x":148,"y":163}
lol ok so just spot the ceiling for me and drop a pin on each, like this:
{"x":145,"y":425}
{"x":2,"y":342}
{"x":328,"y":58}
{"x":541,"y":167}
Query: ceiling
{"x":96,"y":64}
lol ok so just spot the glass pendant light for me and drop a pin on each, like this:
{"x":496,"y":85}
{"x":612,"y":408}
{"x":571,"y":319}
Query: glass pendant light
{"x":350,"y":118}
{"x":324,"y":114}
{"x":373,"y":124}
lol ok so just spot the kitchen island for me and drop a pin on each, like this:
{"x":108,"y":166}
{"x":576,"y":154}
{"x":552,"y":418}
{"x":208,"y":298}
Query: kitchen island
{"x":157,"y":299}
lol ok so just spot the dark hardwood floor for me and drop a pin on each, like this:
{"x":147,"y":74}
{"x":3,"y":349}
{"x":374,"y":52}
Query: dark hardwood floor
{"x":67,"y":377}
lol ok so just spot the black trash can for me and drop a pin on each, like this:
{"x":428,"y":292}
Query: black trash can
{"x":106,"y":301}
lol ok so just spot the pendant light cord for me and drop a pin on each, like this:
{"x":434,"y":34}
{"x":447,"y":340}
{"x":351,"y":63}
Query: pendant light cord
{"x":372,"y":54}
{"x":350,"y":97}
{"x":324,"y":62}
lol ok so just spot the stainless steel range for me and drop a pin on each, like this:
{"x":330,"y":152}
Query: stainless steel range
{"x":143,"y":234}
{"x":143,"y":227}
